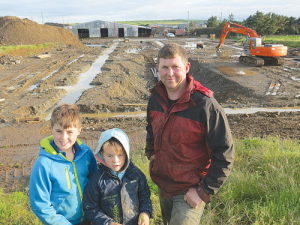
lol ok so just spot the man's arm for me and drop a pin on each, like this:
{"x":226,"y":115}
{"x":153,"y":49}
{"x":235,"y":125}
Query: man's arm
{"x":149,"y":139}
{"x":220,"y":141}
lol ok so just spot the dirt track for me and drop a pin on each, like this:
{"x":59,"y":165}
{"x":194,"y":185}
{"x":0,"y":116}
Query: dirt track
{"x":27,"y":91}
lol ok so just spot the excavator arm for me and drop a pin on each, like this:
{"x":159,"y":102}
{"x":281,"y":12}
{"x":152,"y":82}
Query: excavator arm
{"x":238,"y":29}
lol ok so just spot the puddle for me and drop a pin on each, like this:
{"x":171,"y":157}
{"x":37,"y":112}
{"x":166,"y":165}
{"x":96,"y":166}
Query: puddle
{"x":233,"y":72}
{"x":73,"y":93}
{"x":295,"y":79}
{"x":227,"y":111}
{"x":95,"y":45}
{"x":134,"y":50}
{"x":117,"y":114}
{"x":255,"y":110}
{"x":32,"y":87}
{"x":190,"y":45}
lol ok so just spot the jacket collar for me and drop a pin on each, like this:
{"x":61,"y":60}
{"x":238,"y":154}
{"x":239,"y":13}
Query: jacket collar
{"x":192,"y":87}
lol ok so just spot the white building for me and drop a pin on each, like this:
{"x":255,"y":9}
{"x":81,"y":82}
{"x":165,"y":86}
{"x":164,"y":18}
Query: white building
{"x":101,"y":28}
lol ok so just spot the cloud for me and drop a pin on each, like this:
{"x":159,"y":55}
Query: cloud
{"x":119,"y":10}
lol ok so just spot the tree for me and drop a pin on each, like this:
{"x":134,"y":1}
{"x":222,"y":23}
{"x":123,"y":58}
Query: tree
{"x":212,"y":22}
{"x":267,"y":24}
{"x":231,"y":17}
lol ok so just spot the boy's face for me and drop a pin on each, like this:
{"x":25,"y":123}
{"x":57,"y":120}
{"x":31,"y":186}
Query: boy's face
{"x":64,"y":139}
{"x":113,"y":161}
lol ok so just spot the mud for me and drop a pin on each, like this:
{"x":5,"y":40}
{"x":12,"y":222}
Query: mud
{"x":32,"y":87}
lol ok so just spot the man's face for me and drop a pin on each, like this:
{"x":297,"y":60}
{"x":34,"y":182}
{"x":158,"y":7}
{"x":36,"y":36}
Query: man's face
{"x":113,"y":161}
{"x":173,"y":73}
{"x":64,"y":139}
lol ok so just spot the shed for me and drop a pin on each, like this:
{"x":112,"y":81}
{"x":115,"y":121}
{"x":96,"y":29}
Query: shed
{"x":101,"y":28}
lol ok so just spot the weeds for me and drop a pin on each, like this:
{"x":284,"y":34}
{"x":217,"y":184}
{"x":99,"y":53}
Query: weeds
{"x":25,"y":50}
{"x":263,"y":188}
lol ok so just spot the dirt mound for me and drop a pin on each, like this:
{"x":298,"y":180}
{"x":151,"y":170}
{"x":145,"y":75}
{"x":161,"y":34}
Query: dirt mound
{"x":16,"y":31}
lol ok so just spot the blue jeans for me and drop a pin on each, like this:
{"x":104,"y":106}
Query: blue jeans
{"x":176,"y":211}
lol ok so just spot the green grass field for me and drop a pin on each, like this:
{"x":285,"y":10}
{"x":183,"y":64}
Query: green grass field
{"x":24,"y":50}
{"x":263,"y":188}
{"x":290,"y":41}
{"x":152,"y":22}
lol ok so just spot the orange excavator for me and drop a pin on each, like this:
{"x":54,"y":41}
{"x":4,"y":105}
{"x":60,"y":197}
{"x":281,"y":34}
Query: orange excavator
{"x":257,"y":54}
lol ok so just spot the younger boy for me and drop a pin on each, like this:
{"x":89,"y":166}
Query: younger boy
{"x":118,"y":192}
{"x":61,"y":171}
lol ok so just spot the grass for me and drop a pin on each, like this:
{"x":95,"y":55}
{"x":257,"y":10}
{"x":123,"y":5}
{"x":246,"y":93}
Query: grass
{"x":152,"y":22}
{"x":292,"y":41}
{"x":15,"y":209}
{"x":25,"y":50}
{"x":263,"y":188}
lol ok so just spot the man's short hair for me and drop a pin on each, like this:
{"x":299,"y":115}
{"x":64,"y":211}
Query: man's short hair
{"x":66,"y":115}
{"x":173,"y":50}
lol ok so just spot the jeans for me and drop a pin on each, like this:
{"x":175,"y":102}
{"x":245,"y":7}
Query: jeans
{"x":176,"y":211}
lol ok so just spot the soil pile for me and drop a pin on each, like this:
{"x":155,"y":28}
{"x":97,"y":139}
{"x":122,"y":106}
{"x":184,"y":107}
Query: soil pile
{"x":16,"y":31}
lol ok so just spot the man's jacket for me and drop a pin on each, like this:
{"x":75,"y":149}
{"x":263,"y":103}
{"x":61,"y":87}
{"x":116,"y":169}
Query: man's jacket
{"x":191,"y":141}
{"x":56,"y":184}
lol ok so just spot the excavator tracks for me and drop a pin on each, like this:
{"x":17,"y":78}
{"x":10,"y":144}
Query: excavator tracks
{"x":274,"y":61}
{"x":261,"y":61}
{"x":251,"y":60}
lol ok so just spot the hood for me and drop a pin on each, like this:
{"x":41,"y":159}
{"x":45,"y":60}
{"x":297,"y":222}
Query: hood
{"x":118,"y":134}
{"x":49,"y":151}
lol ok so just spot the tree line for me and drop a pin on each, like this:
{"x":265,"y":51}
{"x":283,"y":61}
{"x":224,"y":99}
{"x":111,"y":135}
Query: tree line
{"x":263,"y":24}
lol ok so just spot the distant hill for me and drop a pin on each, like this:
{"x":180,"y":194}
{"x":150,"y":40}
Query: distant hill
{"x":152,"y":22}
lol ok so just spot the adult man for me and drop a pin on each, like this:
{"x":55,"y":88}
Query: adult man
{"x":189,"y":142}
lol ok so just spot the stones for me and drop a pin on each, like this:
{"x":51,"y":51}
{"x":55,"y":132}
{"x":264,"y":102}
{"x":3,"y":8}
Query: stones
{"x":8,"y":60}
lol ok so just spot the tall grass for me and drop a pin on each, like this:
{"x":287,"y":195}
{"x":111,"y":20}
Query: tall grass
{"x":292,"y":41}
{"x":15,"y":209}
{"x":24,"y":50}
{"x":263,"y":188}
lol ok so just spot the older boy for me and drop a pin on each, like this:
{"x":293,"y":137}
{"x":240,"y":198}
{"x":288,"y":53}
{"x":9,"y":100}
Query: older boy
{"x":118,"y":192}
{"x":61,"y":171}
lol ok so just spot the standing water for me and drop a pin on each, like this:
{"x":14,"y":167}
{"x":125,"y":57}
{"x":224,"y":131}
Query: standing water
{"x":74,"y":92}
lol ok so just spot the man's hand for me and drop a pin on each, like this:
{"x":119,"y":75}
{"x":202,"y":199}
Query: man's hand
{"x":143,"y":219}
{"x":192,"y":198}
{"x":152,"y":158}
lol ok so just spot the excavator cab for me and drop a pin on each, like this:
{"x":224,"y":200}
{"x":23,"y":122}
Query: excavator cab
{"x":250,"y":44}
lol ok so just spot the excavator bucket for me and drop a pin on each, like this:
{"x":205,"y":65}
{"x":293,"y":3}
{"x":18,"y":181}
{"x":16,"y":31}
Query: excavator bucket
{"x":223,"y":54}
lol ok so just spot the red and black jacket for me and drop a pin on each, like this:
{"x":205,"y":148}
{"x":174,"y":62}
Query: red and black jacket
{"x":191,"y":141}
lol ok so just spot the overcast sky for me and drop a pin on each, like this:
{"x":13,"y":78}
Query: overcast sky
{"x":75,"y":11}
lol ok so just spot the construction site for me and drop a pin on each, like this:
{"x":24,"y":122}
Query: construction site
{"x":109,"y":79}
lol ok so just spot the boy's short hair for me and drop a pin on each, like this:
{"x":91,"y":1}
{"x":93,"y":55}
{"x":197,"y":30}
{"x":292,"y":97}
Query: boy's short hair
{"x":116,"y":145}
{"x":173,"y":50}
{"x":66,"y":115}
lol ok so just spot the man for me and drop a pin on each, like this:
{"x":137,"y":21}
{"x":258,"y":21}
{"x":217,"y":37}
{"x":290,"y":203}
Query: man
{"x":189,"y":142}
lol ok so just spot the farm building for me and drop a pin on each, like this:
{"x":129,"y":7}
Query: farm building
{"x":101,"y":28}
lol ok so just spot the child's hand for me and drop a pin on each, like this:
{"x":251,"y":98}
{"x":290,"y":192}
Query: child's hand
{"x":143,"y":219}
{"x":113,"y":223}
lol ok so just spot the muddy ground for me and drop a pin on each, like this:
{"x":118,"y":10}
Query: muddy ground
{"x":31,"y":86}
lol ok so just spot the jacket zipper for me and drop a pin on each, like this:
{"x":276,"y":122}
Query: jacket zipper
{"x":68,"y":178}
{"x":77,"y":181}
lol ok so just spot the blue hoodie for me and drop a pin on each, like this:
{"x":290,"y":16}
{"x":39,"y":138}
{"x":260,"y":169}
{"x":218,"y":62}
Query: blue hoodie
{"x":56,"y":184}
